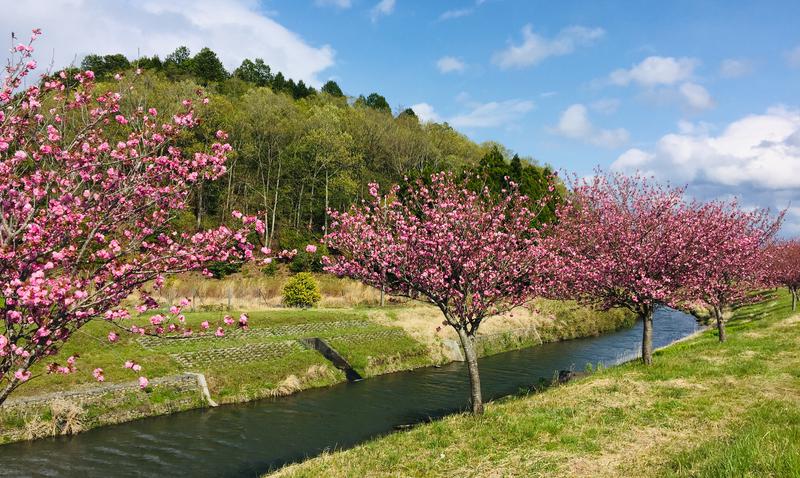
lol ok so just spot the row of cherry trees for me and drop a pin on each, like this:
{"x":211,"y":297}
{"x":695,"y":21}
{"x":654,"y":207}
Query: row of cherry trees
{"x":619,"y":241}
{"x":92,"y":181}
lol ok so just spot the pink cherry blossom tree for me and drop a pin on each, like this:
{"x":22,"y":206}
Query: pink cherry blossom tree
{"x":734,"y":263}
{"x":627,"y":241}
{"x":785,"y":267}
{"x":88,"y":190}
{"x":470,"y":255}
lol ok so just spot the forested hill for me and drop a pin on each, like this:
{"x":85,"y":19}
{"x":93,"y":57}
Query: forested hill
{"x":297,"y":150}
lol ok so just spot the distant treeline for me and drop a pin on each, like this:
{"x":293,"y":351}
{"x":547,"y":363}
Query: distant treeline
{"x":298,"y":150}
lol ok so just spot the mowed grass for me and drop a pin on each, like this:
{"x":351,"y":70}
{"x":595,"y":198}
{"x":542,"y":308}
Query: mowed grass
{"x":704,"y":409}
{"x":229,"y":379}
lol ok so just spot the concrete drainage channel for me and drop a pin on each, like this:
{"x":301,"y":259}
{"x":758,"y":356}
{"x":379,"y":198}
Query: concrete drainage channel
{"x":316,"y":343}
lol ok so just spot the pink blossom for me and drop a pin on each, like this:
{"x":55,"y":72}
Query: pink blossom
{"x":311,"y":249}
{"x":112,"y":337}
{"x":98,"y":375}
{"x":219,"y":332}
{"x":204,"y":325}
{"x":143,"y":382}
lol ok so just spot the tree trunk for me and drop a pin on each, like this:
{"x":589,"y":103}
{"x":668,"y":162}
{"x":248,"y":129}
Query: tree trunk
{"x":794,"y":299}
{"x":647,"y":337}
{"x":474,"y":377}
{"x":275,"y":205}
{"x":720,"y":323}
{"x":325,"y":229}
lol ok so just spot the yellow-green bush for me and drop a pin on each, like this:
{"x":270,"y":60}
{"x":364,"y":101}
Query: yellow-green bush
{"x":301,"y":290}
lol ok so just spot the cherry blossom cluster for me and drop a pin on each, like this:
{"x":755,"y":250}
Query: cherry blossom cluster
{"x":467,"y":253}
{"x":88,"y":192}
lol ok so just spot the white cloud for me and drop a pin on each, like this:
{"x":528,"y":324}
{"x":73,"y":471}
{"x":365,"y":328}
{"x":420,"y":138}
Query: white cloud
{"x":793,"y":57}
{"x":492,"y":114}
{"x":457,"y":13}
{"x":735,"y":67}
{"x":449,"y":64}
{"x":535,"y":48}
{"x":655,"y":70}
{"x":460,"y":12}
{"x":425,"y":112}
{"x":382,"y":9}
{"x":235,"y":29}
{"x":696,"y":96}
{"x":605,"y":105}
{"x":755,"y":158}
{"x":343,"y":4}
{"x":575,"y":124}
{"x":760,"y":151}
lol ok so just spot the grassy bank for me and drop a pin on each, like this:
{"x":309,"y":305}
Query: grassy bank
{"x":265,"y":361}
{"x":702,"y":409}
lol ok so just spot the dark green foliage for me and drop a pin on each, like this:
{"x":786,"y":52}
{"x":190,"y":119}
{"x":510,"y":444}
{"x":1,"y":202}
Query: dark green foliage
{"x":331,"y":88}
{"x":409,"y":114}
{"x":221,"y":269}
{"x":374,"y":101}
{"x":207,"y":67}
{"x":495,"y":172}
{"x":307,"y":262}
{"x":106,"y":65}
{"x":180,"y":58}
{"x":302,"y":291}
{"x":256,"y":72}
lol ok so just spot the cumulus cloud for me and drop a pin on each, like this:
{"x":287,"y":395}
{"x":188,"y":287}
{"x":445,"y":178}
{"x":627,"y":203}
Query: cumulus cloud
{"x":425,"y":112}
{"x":655,"y":70}
{"x":449,"y":64}
{"x":343,"y":4}
{"x":735,"y":67}
{"x":575,"y":124}
{"x":492,"y":114}
{"x":235,"y":29}
{"x":760,"y":150}
{"x":756,"y":157}
{"x":535,"y":48}
{"x":696,"y":96}
{"x":382,"y":9}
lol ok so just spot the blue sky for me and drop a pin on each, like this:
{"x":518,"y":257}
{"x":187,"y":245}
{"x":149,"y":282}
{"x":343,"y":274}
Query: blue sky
{"x":698,"y":92}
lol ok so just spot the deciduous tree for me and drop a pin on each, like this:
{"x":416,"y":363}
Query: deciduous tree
{"x":90,"y":187}
{"x":785,"y":267}
{"x":471,"y":254}
{"x":627,"y":241}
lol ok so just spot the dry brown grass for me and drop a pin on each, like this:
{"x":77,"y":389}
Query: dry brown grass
{"x":66,"y":418}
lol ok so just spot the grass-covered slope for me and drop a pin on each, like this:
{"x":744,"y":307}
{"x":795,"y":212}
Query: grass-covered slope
{"x":702,"y":409}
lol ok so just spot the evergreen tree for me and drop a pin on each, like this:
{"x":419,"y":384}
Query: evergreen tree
{"x":207,"y":67}
{"x":331,"y":88}
{"x":256,"y":72}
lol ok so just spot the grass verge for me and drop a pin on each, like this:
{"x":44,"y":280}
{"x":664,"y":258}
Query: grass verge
{"x":704,"y":409}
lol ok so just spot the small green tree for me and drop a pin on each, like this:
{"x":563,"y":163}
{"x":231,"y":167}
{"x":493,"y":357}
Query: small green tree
{"x":301,"y":290}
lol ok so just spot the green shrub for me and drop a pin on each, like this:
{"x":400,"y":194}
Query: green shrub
{"x":301,"y":290}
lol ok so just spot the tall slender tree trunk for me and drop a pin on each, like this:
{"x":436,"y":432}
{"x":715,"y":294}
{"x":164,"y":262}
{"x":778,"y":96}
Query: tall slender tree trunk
{"x":474,"y":376}
{"x":794,"y":298}
{"x":275,"y":206}
{"x":199,"y":205}
{"x":647,"y":336}
{"x":325,"y":228}
{"x":720,"y":323}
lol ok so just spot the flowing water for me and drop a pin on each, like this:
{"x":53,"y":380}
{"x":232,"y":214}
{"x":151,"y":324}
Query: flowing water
{"x":250,"y":439}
